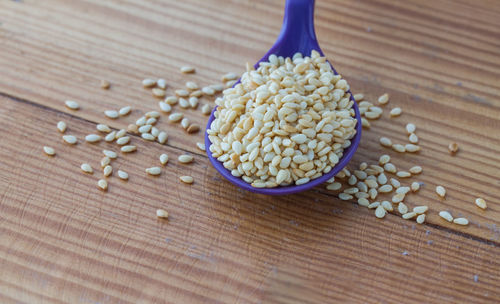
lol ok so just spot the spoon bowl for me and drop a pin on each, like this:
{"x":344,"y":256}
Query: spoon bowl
{"x":297,"y":35}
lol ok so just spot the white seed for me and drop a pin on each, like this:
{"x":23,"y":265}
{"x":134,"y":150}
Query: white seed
{"x":403,"y":174}
{"x":92,"y":138}
{"x":164,"y":159}
{"x":446,"y":215}
{"x":403,"y":190}
{"x":73,"y":105}
{"x":384,"y":99}
{"x":415,"y":186}
{"x":453,"y":148}
{"x":441,"y":191}
{"x":103,"y":184}
{"x":363,"y":202}
{"x":141,"y":121}
{"x":152,"y":114}
{"x":70,"y":139}
{"x":461,"y":221}
{"x":302,"y":181}
{"x":365,"y":123}
{"x":185,"y":158}
{"x":192,"y":85}
{"x":206,"y":110}
{"x":128,"y":149}
{"x":147,"y":83}
{"x":110,"y":137}
{"x":380,"y":212}
{"x":373,"y":193}
{"x":107,"y":171}
{"x":161,"y":213}
{"x":395,"y":112}
{"x":374,"y":205}
{"x":105,"y":84}
{"x":384,"y":159}
{"x":160,"y":93}
{"x":49,"y":151}
{"x":87,"y":168}
{"x":155,"y":132}
{"x":171,"y":100}
{"x":389,"y":167}
{"x":385,"y":189}
{"x":395,"y":183}
{"x":162,"y":137}
{"x":334,"y":186}
{"x":412,"y":148}
{"x":382,"y":179}
{"x":110,"y":154}
{"x":148,"y":136}
{"x":61,"y":126}
{"x":398,"y":197}
{"x":387,"y":205}
{"x":103,"y":128}
{"x":161,"y":83}
{"x":351,"y":190}
{"x":415,"y":170}
{"x":409,"y":215}
{"x":186,"y":179}
{"x":208,"y":91}
{"x":111,"y":114}
{"x":410,"y":128}
{"x":217,"y":87}
{"x":105,"y":161}
{"x":123,"y":140}
{"x":144,"y":129}
{"x":345,"y":196}
{"x":182,"y":93}
{"x":228,"y":77}
{"x":121,"y":133}
{"x":122,"y":175}
{"x":386,"y":142}
{"x":398,"y":148}
{"x":183,"y":103}
{"x":125,"y":111}
{"x":481,"y":203}
{"x":413,"y":138}
{"x":185,"y":122}
{"x":421,"y":219}
{"x":165,"y":107}
{"x":133,"y":128}
{"x":420,"y":209}
{"x":153,"y":171}
{"x":193,"y":102}
{"x":187,"y":70}
{"x":201,"y":146}
{"x":402,"y":208}
{"x":175,"y":117}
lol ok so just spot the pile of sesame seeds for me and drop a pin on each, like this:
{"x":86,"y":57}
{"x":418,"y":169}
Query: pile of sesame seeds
{"x":190,"y":97}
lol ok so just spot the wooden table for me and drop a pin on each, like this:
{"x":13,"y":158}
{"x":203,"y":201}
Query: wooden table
{"x":62,"y":240}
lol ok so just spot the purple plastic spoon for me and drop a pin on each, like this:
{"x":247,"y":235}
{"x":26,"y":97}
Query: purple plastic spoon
{"x":297,"y":35}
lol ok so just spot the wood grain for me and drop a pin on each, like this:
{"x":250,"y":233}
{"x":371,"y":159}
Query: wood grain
{"x":64,"y":241}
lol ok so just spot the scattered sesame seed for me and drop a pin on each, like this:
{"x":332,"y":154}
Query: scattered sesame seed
{"x":420,"y":209}
{"x":61,"y":126}
{"x":159,"y":93}
{"x":380,"y":212}
{"x":107,"y":171}
{"x":110,"y":154}
{"x":409,"y":215}
{"x":399,"y":148}
{"x":185,"y":159}
{"x":363,"y":202}
{"x":410,"y":128}
{"x":415,"y":186}
{"x":453,"y":148}
{"x":481,"y":203}
{"x":446,"y":215}
{"x":187,"y":70}
{"x":161,"y":213}
{"x":175,"y":117}
{"x":186,"y":179}
{"x":49,"y":151}
{"x":441,"y":191}
{"x":92,"y":138}
{"x":165,"y":107}
{"x":162,"y":137}
{"x":415,"y":170}
{"x":103,"y":184}
{"x":121,"y":133}
{"x":111,"y":114}
{"x":153,"y":171}
{"x":395,"y":112}
{"x":461,"y":221}
{"x":148,"y":136}
{"x":105,"y":161}
{"x":384,"y":159}
{"x":73,"y":105}
{"x":421,"y":219}
{"x":164,"y":159}
{"x":123,"y":140}
{"x":147,"y":83}
{"x":125,"y":111}
{"x":128,"y":149}
{"x":161,"y":83}
{"x":403,"y":174}
{"x":201,"y":146}
{"x":334,"y":186}
{"x":374,"y":205}
{"x":122,"y":175}
{"x":110,"y":137}
{"x":412,"y":148}
{"x":413,"y":138}
{"x":384,"y":99}
{"x":103,"y":128}
{"x":70,"y":139}
{"x":87,"y":168}
{"x":402,"y":208}
{"x":345,"y":196}
{"x":386,"y":142}
{"x":387,"y":205}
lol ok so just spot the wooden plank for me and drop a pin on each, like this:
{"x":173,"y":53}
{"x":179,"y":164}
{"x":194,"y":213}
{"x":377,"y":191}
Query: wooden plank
{"x":62,"y":238}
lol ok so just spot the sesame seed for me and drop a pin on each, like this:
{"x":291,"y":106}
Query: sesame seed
{"x":70,"y":139}
{"x":386,"y":142}
{"x":403,"y":174}
{"x":103,"y":128}
{"x":182,"y":93}
{"x":481,"y":203}
{"x":208,"y":91}
{"x":186,"y":179}
{"x":183,"y":103}
{"x":111,"y":114}
{"x":402,"y":208}
{"x":110,"y":154}
{"x":87,"y":168}
{"x":175,"y":117}
{"x":73,"y":105}
{"x":398,"y":148}
{"x":155,"y":132}
{"x":110,"y":137}
{"x":409,"y":215}
{"x":380,"y":212}
{"x":359,"y":97}
{"x":395,"y":183}
{"x":121,"y":133}
{"x":363,"y":202}
{"x":125,"y":111}
{"x":128,"y":149}
{"x":147,"y":83}
{"x":61,"y":126}
{"x":206,"y":110}
{"x":351,"y":190}
{"x":334,"y":186}
{"x":385,"y":189}
{"x":415,"y":186}
{"x":187,"y":70}
{"x":387,"y":205}
{"x":159,"y":93}
{"x":446,"y":215}
{"x":410,"y":128}
{"x":164,"y":159}
{"x":103,"y":184}
{"x":441,"y":191}
{"x":228,"y":77}
{"x":145,"y":128}
{"x":365,"y":123}
{"x":384,"y":159}
{"x":398,"y":197}
{"x":148,"y":136}
{"x":171,"y":100}
{"x":420,"y":209}
{"x":92,"y":138}
{"x":161,"y":213}
{"x":453,"y":148}
{"x":161,"y":83}
{"x":403,"y":190}
{"x":152,"y":114}
{"x":374,"y":205}
{"x":412,"y":148}
{"x":105,"y":161}
{"x":153,"y":171}
{"x":384,"y":99}
{"x":413,"y":138}
{"x":123,"y":140}
{"x":162,"y":137}
{"x":141,"y":121}
{"x":105,"y":84}
{"x":395,"y":112}
{"x":185,"y":122}
{"x":107,"y":171}
{"x":193,"y":102}
{"x":193,"y":128}
{"x":461,"y":221}
{"x":415,"y":170}
{"x":49,"y":151}
{"x":345,"y":196}
{"x":122,"y":175}
{"x":389,"y":167}
{"x":382,"y":179}
{"x":421,"y":219}
{"x":165,"y":107}
{"x":133,"y":128}
{"x":201,"y":146}
{"x":185,"y":159}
